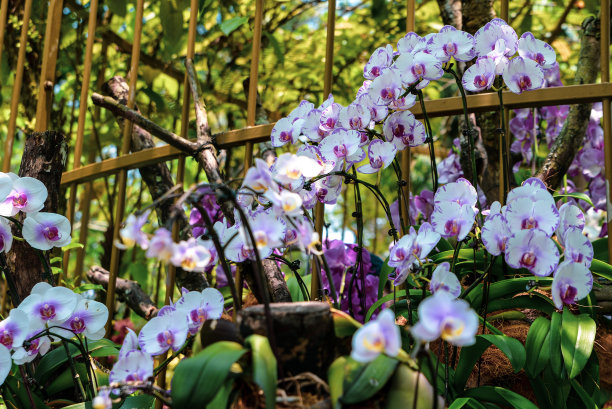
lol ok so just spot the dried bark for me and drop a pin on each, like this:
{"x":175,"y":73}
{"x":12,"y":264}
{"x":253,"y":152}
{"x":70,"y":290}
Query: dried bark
{"x":277,"y":286}
{"x":450,"y":11}
{"x":572,"y":134}
{"x":304,"y":334}
{"x":128,"y":291}
{"x":44,"y":158}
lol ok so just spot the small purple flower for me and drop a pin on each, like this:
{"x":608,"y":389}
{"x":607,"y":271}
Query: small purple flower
{"x":524,"y":213}
{"x":27,"y":195}
{"x":6,"y":235}
{"x":311,"y":127}
{"x":38,"y":346}
{"x":449,"y":169}
{"x":452,"y":43}
{"x":536,"y":50}
{"x":5,"y":363}
{"x":578,"y":247}
{"x":534,"y":250}
{"x":411,"y":250}
{"x":285,"y":203}
{"x":495,"y":234}
{"x":523,"y":75}
{"x":6,"y":185}
{"x":479,"y":76}
{"x":355,"y":116}
{"x":443,"y":316}
{"x":572,"y":282}
{"x":380,"y":154}
{"x":450,"y":219}
{"x":461,"y":192}
{"x":532,"y":188}
{"x":386,"y":88}
{"x":49,"y":305}
{"x":200,"y":306}
{"x":570,"y":215}
{"x":496,"y":36}
{"x":328,"y":189}
{"x":342,"y":147}
{"x":164,"y":332}
{"x":379,"y":61}
{"x":403,"y":130}
{"x":418,"y":66}
{"x":135,"y":366}
{"x":403,"y":103}
{"x":443,"y":279}
{"x":88,"y":318}
{"x":411,"y":42}
{"x":376,"y":337}
{"x":329,"y":117}
{"x":132,"y":233}
{"x":161,"y":245}
{"x":285,"y":132}
{"x":13,"y":330}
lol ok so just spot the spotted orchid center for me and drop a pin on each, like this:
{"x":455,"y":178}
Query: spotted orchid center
{"x":450,"y":48}
{"x":375,"y":71}
{"x":51,"y":233}
{"x":20,"y":200}
{"x":418,"y":70}
{"x":451,"y":328}
{"x":398,"y":130}
{"x":529,"y":223}
{"x":376,"y":163}
{"x":340,"y":151}
{"x":377,"y":344}
{"x":261,"y":239}
{"x":47,"y":311}
{"x":524,"y":83}
{"x":528,"y":259}
{"x":198,"y":315}
{"x":6,"y":338}
{"x":480,"y":81}
{"x":539,"y":58}
{"x":451,"y":227}
{"x":578,"y":257}
{"x":33,"y":347}
{"x":165,"y":338}
{"x":387,"y":93}
{"x":355,"y":123}
{"x":330,"y":123}
{"x":285,"y":136}
{"x":569,"y":295}
{"x":78,"y":325}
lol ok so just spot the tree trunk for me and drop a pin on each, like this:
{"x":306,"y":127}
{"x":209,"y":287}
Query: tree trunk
{"x":44,"y":158}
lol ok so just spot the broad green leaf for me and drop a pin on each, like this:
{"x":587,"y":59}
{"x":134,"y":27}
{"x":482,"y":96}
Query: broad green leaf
{"x":500,"y":396}
{"x":264,"y":367}
{"x":504,"y":288}
{"x":87,"y":287}
{"x":537,"y":353}
{"x":197,"y":380}
{"x":584,"y":397}
{"x":16,"y":385}
{"x":344,"y":324}
{"x":220,"y":401}
{"x":533,"y":300}
{"x":407,"y":383}
{"x":511,"y":347}
{"x":575,"y":195}
{"x":602,"y":269}
{"x":414,"y":294}
{"x":462,"y":402}
{"x":464,"y":254}
{"x":73,"y":245}
{"x":600,"y":249}
{"x":556,"y":359}
{"x":367,"y":379}
{"x":335,"y":379}
{"x":577,"y":337}
{"x":228,"y":26}
{"x":383,"y":277}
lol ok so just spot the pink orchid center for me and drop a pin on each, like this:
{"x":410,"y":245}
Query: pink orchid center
{"x":20,"y":200}
{"x":330,"y":123}
{"x":285,"y":136}
{"x":47,"y":311}
{"x":539,"y":58}
{"x":51,"y":233}
{"x":78,"y":325}
{"x":375,"y":71}
{"x":528,"y":259}
{"x":578,"y":257}
{"x":387,"y":93}
{"x":33,"y":347}
{"x":524,"y":83}
{"x":165,"y":338}
{"x":418,"y":70}
{"x":398,"y":130}
{"x":569,"y":295}
{"x":400,"y":255}
{"x":198,"y":315}
{"x":480,"y":81}
{"x":451,"y":227}
{"x":450,"y":49}
{"x":6,"y":338}
{"x":529,"y":223}
{"x":355,"y":122}
{"x":340,"y":151}
{"x":377,"y":162}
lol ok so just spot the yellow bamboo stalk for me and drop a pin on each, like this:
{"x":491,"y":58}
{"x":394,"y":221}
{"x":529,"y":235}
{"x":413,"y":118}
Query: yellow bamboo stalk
{"x":607,"y":115}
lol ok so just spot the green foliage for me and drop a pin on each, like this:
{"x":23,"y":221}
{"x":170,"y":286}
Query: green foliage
{"x":263,"y":367}
{"x":577,"y":337}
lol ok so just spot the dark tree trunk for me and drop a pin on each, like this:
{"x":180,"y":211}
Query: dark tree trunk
{"x":44,"y":158}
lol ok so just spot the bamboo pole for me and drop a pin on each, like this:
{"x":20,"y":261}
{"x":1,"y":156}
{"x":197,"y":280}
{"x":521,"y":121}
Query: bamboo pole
{"x":3,"y":18}
{"x":125,"y":148}
{"x":12,"y":125}
{"x":607,"y":115}
{"x":252,"y":97}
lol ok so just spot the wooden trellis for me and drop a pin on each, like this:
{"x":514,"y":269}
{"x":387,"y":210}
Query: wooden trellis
{"x":84,"y":174}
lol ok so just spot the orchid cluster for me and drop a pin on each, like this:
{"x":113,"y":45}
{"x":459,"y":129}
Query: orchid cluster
{"x":27,"y":195}
{"x":47,"y":315}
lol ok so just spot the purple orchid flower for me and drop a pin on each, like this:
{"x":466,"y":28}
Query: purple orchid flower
{"x":49,"y":305}
{"x":290,"y":170}
{"x":328,"y":189}
{"x":411,"y":42}
{"x":452,"y":43}
{"x":27,"y":195}
{"x":523,"y":75}
{"x":35,"y":346}
{"x":329,"y":117}
{"x":572,"y":282}
{"x":132,"y":233}
{"x":403,"y":130}
{"x":378,"y":112}
{"x":461,"y":192}
{"x":13,"y":330}
{"x":130,"y":343}
{"x":443,"y":316}
{"x":449,"y":169}
{"x":88,"y":319}
{"x":532,"y":188}
{"x":578,"y":247}
{"x":443,"y":279}
{"x":450,"y":219}
{"x":495,"y":234}
{"x":380,"y":154}
{"x":404,"y":103}
{"x":536,"y":50}
{"x":201,"y":306}
{"x":311,"y":127}
{"x":570,"y":215}
{"x":386,"y":88}
{"x":342,"y":147}
{"x":190,"y":255}
{"x":379,"y":61}
{"x":524,"y":213}
{"x":479,"y":76}
{"x":135,"y":366}
{"x":6,"y":363}
{"x":285,"y":131}
{"x":285,"y":203}
{"x":355,"y":116}
{"x":161,"y":245}
{"x":164,"y":332}
{"x":301,"y":110}
{"x":411,"y":250}
{"x":6,"y":186}
{"x":6,"y":235}
{"x":376,"y":337}
{"x":498,"y":41}
{"x":414,"y":67}
{"x":534,"y":250}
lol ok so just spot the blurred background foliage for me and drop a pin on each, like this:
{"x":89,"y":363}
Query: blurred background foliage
{"x":291,"y":69}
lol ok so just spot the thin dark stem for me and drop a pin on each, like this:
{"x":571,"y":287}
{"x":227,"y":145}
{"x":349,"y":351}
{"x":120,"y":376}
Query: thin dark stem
{"x":8,"y":276}
{"x":446,"y":363}
{"x":75,"y":375}
{"x":27,"y":385}
{"x":432,"y":153}
{"x":359,"y":265}
{"x":504,"y":146}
